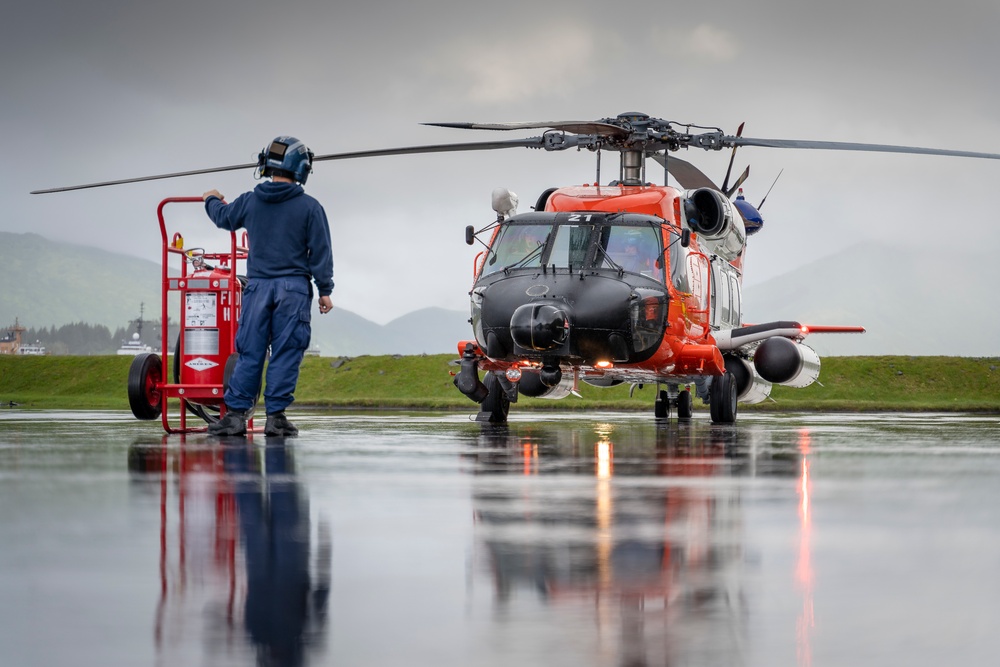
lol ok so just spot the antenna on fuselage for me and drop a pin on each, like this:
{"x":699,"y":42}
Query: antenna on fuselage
{"x":770,"y":188}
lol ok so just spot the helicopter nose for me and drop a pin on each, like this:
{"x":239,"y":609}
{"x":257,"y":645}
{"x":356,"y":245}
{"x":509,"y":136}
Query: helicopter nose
{"x":540,"y":327}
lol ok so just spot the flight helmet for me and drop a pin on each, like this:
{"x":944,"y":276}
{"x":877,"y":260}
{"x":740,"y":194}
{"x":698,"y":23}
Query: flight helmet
{"x":286,"y":156}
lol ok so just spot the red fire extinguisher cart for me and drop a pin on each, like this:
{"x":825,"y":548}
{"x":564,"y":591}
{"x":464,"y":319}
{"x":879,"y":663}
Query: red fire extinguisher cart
{"x":204,"y":352}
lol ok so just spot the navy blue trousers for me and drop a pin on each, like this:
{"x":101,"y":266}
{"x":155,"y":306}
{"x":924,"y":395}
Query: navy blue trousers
{"x":276,"y":314}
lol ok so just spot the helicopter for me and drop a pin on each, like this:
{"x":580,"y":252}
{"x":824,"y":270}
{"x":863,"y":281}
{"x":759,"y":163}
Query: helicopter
{"x":621,"y":282}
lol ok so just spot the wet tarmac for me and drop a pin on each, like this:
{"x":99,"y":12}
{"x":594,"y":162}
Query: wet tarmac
{"x":425,"y":539}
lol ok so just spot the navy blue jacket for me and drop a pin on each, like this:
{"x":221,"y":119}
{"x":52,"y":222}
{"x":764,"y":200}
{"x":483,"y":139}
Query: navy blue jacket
{"x":289,"y":234}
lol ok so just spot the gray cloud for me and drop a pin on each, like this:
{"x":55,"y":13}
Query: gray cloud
{"x":113,"y":89}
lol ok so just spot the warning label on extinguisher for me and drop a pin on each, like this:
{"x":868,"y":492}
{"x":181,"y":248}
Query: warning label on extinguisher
{"x":200,"y":309}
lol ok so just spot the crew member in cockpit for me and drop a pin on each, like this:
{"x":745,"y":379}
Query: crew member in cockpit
{"x":639,"y":255}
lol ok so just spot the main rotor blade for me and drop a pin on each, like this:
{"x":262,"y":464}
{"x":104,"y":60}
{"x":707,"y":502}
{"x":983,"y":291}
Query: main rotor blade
{"x":739,"y":181}
{"x":732,"y":159}
{"x":851,"y":146}
{"x":533,"y":142}
{"x":571,"y":126}
{"x":689,"y":176}
{"x":175,"y":174}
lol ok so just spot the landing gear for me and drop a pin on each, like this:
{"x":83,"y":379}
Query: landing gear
{"x":661,"y":408}
{"x":145,"y":373}
{"x":722,"y":399}
{"x":496,"y":406}
{"x":664,"y":402}
{"x":684,"y":406}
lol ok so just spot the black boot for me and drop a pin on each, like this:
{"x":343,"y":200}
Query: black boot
{"x":278,"y":424}
{"x":233,"y":423}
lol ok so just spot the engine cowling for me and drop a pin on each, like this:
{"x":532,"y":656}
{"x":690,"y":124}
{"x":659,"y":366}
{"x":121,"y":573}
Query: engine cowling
{"x":785,"y":362}
{"x":750,"y":387}
{"x":710,"y":215}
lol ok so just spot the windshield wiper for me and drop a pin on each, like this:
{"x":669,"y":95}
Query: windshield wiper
{"x":527,"y":258}
{"x":615,"y":265}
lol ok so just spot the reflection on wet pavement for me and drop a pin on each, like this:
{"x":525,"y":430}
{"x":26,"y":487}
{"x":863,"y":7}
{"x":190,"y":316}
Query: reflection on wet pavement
{"x":560,"y":539}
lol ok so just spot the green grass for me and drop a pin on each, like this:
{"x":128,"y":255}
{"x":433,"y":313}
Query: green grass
{"x":848,"y":383}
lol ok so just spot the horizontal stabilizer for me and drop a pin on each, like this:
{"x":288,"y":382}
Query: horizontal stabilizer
{"x":730,"y":339}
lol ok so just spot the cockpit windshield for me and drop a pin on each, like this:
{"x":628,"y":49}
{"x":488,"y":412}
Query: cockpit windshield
{"x":633,"y":249}
{"x":569,"y":249}
{"x":517,"y":246}
{"x":624,"y":243}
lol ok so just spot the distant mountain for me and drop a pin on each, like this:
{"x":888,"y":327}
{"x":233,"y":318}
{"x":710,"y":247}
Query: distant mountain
{"x":939,"y":301}
{"x":426,"y":331}
{"x":46,"y":283}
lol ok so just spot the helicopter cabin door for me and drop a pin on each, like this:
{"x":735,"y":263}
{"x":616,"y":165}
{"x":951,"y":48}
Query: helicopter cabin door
{"x":725,"y":301}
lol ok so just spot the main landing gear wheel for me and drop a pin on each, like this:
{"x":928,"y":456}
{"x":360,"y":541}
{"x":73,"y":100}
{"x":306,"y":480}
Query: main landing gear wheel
{"x":722,"y":399}
{"x":145,"y":373}
{"x":496,"y":404}
{"x":685,"y":408}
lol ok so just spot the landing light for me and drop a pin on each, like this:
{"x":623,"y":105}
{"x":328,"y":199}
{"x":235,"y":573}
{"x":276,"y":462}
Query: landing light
{"x":513,"y":374}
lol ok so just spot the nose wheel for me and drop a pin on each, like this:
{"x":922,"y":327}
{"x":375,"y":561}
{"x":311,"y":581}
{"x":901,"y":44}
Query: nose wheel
{"x":681,"y":400}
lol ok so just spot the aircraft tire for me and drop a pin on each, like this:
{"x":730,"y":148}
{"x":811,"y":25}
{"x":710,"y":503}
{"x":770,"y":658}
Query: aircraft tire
{"x":496,"y":402}
{"x":684,"y":405}
{"x":144,"y":397}
{"x":661,"y":408}
{"x":723,"y":399}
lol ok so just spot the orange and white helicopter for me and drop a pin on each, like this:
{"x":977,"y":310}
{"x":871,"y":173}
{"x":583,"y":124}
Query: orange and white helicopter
{"x":625,"y":282}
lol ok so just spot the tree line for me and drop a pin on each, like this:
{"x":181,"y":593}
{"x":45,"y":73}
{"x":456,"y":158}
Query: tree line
{"x":80,"y":338}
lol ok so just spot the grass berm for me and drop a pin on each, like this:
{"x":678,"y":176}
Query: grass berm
{"x":880,"y":383}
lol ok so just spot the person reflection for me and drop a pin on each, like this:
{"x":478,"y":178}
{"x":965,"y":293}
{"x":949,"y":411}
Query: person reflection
{"x":283,"y":614}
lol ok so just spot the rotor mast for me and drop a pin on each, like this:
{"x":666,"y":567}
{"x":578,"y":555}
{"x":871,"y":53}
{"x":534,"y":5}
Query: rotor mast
{"x":633,"y":169}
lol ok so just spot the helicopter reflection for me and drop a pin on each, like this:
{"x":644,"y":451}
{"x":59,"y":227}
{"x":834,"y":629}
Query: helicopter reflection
{"x":237,"y":550}
{"x":653,"y":548}
{"x":803,"y":571}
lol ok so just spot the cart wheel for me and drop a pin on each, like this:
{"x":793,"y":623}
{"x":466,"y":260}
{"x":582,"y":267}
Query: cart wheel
{"x":227,"y":372}
{"x":144,"y":396}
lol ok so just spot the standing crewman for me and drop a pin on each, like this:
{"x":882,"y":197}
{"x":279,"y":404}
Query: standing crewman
{"x":289,"y":244}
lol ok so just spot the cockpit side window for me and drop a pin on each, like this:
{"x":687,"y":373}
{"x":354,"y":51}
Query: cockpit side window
{"x":517,"y":245}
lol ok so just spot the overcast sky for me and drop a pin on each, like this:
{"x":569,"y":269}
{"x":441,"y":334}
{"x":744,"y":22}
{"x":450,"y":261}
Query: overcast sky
{"x":112,"y":89}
